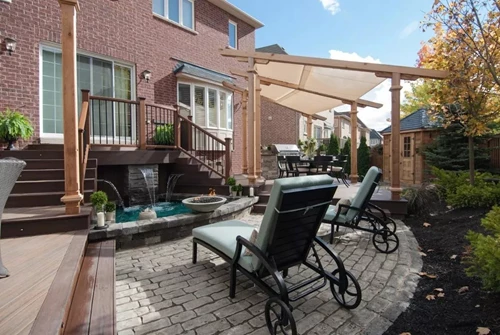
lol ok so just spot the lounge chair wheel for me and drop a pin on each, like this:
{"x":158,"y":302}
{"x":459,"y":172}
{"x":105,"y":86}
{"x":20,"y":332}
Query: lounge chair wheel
{"x":385,"y":241}
{"x":279,"y":317}
{"x":389,"y":223}
{"x":351,"y":296}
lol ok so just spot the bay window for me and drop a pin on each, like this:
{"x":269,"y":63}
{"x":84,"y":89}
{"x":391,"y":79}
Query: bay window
{"x":178,"y":11}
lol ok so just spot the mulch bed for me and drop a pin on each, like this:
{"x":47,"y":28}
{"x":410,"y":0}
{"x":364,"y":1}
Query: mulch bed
{"x":455,"y":313}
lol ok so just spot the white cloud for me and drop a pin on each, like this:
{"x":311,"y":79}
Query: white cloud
{"x":408,"y":30}
{"x":333,"y":6}
{"x":372,"y":117}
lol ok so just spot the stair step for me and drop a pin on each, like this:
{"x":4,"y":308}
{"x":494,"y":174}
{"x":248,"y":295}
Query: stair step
{"x":32,"y":154}
{"x":263,"y":198}
{"x":40,"y":164}
{"x":42,"y":186}
{"x":52,"y":174}
{"x":39,"y":199}
{"x":259,"y":208}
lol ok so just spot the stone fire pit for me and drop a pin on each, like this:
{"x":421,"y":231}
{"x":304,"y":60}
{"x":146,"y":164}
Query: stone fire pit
{"x":204,"y":204}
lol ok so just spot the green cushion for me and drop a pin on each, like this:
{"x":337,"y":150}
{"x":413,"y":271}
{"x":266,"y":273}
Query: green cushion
{"x":363,"y":192}
{"x":330,"y":215}
{"x":222,"y":236}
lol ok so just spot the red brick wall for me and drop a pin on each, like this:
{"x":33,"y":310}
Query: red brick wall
{"x":125,"y":30}
{"x":284,"y":126}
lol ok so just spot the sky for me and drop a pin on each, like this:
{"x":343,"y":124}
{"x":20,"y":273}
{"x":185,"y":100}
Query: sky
{"x":381,"y":31}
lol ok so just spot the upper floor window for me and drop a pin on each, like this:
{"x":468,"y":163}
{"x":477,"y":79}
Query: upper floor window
{"x":179,"y":11}
{"x":233,"y":35}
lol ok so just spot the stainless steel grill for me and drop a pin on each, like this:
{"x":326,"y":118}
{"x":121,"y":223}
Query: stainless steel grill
{"x":285,"y":149}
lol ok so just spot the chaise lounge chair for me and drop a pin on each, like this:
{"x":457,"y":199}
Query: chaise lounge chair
{"x":287,"y":237}
{"x":381,"y":226}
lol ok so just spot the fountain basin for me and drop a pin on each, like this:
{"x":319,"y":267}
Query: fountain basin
{"x":162,"y":209}
{"x":204,"y":204}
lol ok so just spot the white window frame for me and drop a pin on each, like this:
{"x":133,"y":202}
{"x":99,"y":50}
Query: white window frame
{"x":217,"y":103}
{"x":235,"y":35}
{"x":57,"y":48}
{"x":181,"y":16}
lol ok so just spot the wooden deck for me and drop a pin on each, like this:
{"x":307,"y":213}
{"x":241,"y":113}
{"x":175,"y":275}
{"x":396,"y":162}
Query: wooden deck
{"x":41,"y":269}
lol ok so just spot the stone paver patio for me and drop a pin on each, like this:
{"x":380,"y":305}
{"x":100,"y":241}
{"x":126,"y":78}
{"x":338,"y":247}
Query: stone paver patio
{"x":159,"y":290}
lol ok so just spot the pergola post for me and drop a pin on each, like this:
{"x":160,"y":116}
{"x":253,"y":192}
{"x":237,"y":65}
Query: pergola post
{"x":395,"y":136}
{"x":72,"y":196}
{"x":244,"y":102}
{"x":354,"y":142}
{"x":309,"y":126}
{"x":258,"y":139}
{"x":252,"y":74}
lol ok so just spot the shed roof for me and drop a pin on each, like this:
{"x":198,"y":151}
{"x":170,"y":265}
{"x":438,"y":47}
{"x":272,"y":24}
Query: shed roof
{"x":375,"y":134}
{"x":419,"y":119}
{"x":273,"y":48}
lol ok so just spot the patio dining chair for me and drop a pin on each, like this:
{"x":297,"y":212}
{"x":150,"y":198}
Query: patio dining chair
{"x":294,"y":168}
{"x":281,"y":160}
{"x":287,"y":238}
{"x":338,"y":169}
{"x":381,"y":226}
{"x":10,"y":169}
{"x":321,"y":165}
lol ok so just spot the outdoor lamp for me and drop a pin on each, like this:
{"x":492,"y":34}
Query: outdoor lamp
{"x":146,"y":74}
{"x":10,"y":45}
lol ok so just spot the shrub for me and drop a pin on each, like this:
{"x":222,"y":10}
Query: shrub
{"x":164,"y":135}
{"x":346,"y":150}
{"x":14,"y":125}
{"x":98,"y":199}
{"x":423,"y":199}
{"x":333,"y":146}
{"x":110,"y":207}
{"x":231,"y":181}
{"x":363,"y":157}
{"x":485,"y":258}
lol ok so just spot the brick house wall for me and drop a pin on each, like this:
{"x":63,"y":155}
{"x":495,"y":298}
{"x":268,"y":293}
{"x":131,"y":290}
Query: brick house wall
{"x":127,"y":31}
{"x":284,"y":126}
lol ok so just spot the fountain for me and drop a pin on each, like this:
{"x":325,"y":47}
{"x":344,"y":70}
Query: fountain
{"x":120,"y":200}
{"x":172,"y":180}
{"x":148,"y":175}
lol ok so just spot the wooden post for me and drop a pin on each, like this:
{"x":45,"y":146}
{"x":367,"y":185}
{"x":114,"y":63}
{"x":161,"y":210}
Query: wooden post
{"x":244,"y":131}
{"x":395,"y":136}
{"x":72,"y":196}
{"x":251,"y":120}
{"x":227,"y":170}
{"x":177,"y":128}
{"x":190,"y":134}
{"x":258,"y":139}
{"x":142,"y":123}
{"x":354,"y":142}
{"x":309,"y":126}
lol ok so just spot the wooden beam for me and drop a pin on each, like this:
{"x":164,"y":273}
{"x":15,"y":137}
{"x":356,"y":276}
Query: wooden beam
{"x":252,"y":74}
{"x":257,"y":61}
{"x":395,"y":137}
{"x":233,"y":87}
{"x":337,"y":64}
{"x":72,"y":196}
{"x":258,"y":139}
{"x":244,"y":132}
{"x":354,"y":143}
{"x":403,"y":77}
{"x":271,"y":81}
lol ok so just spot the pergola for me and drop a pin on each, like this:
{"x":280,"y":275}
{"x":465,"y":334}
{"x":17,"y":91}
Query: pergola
{"x":311,"y":85}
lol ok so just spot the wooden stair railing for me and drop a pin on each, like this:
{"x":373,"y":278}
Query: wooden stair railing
{"x":84,"y":137}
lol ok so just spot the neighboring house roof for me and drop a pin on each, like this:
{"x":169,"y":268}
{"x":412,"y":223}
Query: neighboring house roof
{"x":238,"y":13}
{"x":375,"y":135}
{"x":419,"y":119}
{"x":200,"y":72}
{"x":272,"y":49}
{"x":348,"y":115}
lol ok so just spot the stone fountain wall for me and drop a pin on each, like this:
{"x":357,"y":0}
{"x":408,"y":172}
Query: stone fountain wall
{"x":135,"y":185}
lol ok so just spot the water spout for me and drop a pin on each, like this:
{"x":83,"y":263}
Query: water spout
{"x":172,"y":180}
{"x":120,"y":200}
{"x":149,"y":175}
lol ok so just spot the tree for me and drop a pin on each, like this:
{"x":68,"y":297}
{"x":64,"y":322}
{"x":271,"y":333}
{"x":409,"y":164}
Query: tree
{"x":346,"y":151}
{"x":417,"y":98}
{"x":333,"y":146}
{"x":363,"y":157}
{"x":464,"y":33}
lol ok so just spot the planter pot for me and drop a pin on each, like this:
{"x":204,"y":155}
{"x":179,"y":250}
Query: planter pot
{"x":11,"y":145}
{"x":234,"y":193}
{"x":204,"y":204}
{"x":111,"y":216}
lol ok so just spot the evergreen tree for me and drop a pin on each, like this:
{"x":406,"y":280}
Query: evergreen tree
{"x":363,"y":157}
{"x":450,"y":151}
{"x":333,"y":146}
{"x":346,"y":150}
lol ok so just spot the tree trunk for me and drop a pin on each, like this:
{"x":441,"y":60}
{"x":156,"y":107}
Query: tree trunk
{"x":471,"y":160}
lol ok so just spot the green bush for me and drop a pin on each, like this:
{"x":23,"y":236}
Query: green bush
{"x":14,"y":125}
{"x":99,"y":199}
{"x":422,"y":199}
{"x":346,"y":150}
{"x":231,"y":181}
{"x":363,"y":157}
{"x":333,"y":145}
{"x":484,"y":261}
{"x":164,"y":135}
{"x":110,"y":207}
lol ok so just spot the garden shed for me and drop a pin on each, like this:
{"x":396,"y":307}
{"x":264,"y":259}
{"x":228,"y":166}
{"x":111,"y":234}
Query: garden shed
{"x":417,"y":130}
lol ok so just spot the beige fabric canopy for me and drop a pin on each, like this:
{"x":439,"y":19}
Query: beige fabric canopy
{"x":311,"y":89}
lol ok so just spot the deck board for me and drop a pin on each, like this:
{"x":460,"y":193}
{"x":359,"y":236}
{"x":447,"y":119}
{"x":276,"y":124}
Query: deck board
{"x":33,"y":263}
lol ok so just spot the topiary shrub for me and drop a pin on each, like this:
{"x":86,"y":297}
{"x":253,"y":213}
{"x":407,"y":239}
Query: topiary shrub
{"x":99,"y":199}
{"x":346,"y":150}
{"x":333,"y":145}
{"x":363,"y":157}
{"x":484,"y":261}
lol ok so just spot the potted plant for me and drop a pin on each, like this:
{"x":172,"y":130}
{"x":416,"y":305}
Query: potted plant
{"x":234,"y":190}
{"x":98,"y":200}
{"x":164,"y":135}
{"x":110,"y":209}
{"x":231,"y":182}
{"x":239,"y":189}
{"x":309,"y":147}
{"x":14,"y":126}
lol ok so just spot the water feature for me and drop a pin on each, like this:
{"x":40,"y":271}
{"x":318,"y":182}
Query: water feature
{"x":162,"y":209}
{"x":172,"y":180}
{"x":120,"y":200}
{"x":149,"y":175}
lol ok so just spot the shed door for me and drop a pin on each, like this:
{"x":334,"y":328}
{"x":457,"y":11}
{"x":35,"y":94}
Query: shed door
{"x":408,"y":159}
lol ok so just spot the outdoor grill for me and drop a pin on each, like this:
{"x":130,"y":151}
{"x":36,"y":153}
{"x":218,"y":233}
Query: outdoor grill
{"x":285,"y":149}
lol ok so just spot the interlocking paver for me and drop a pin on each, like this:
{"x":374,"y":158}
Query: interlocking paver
{"x":160,"y":291}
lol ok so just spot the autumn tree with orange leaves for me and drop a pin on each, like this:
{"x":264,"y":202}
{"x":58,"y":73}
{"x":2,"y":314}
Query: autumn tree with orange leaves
{"x":467,"y":44}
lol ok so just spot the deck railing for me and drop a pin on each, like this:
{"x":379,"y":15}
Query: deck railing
{"x":113,"y":122}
